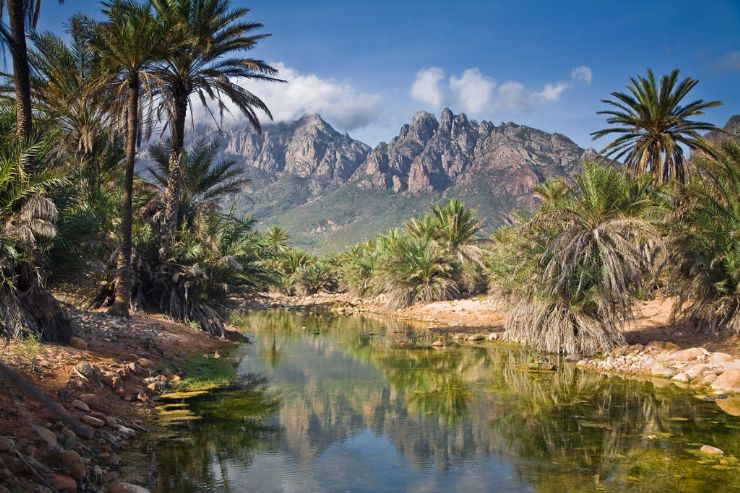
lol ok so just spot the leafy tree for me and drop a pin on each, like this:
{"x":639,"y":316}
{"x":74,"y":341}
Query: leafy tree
{"x":206,"y":64}
{"x":652,"y":123}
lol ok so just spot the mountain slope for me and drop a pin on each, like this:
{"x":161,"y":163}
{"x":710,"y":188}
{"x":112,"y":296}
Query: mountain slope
{"x":328,"y":190}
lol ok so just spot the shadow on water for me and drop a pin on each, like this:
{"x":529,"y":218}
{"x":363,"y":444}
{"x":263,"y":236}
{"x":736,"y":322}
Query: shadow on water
{"x":352,"y":404}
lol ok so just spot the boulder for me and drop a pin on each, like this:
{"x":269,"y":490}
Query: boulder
{"x":85,"y":369}
{"x":573,"y":358}
{"x":696,"y":371}
{"x":93,"y":401}
{"x":493,"y":336}
{"x":709,"y":450}
{"x":145,"y":362}
{"x":71,"y":464}
{"x":435,"y":344}
{"x":477,"y":338}
{"x":715,"y":358}
{"x":731,"y":405}
{"x":123,"y":487}
{"x":80,"y":405}
{"x":459,"y":337}
{"x":78,"y":343}
{"x":690,"y":354}
{"x":64,"y":484}
{"x":728,"y":381}
{"x":659,"y":370}
{"x":92,"y":421}
{"x":681,"y":377}
{"x":46,"y":435}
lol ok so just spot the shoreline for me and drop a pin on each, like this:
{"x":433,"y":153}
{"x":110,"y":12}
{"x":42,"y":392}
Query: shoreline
{"x":657,"y":348}
{"x":98,"y":392}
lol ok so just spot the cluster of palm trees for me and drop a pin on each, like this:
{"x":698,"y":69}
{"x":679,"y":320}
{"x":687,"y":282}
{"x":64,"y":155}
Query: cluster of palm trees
{"x":572,"y":269}
{"x":82,"y":109}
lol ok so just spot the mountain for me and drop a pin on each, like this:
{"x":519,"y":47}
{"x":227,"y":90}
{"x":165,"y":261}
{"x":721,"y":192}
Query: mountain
{"x":731,"y":130}
{"x":329,"y":190}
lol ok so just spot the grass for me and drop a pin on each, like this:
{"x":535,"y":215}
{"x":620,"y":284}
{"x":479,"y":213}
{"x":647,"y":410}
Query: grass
{"x":28,"y":348}
{"x":205,"y":373}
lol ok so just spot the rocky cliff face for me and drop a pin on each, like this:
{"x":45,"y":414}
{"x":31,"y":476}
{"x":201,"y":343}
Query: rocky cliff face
{"x":309,"y":148}
{"x":431,"y":156}
{"x":731,"y":130}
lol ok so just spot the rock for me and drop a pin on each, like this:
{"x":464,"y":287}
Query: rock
{"x":6,"y":444}
{"x":46,"y":435}
{"x":708,"y":449}
{"x":731,"y":405}
{"x":145,"y":362}
{"x":93,"y":401}
{"x":573,"y":358}
{"x":175,"y":378}
{"x":126,"y":432}
{"x":696,"y":371}
{"x":728,"y":381}
{"x":123,"y":487}
{"x":77,"y":343}
{"x":92,"y":421}
{"x":720,"y":358}
{"x":111,"y":421}
{"x":669,"y":346}
{"x":71,"y":464}
{"x":111,"y":379}
{"x":459,"y":337}
{"x":476,"y":338}
{"x":78,"y":404}
{"x":493,"y":336}
{"x":708,"y":379}
{"x":435,"y":344}
{"x":63,"y":483}
{"x":659,"y":370}
{"x":690,"y":354}
{"x":85,"y":369}
{"x":159,"y":386}
{"x":681,"y":377}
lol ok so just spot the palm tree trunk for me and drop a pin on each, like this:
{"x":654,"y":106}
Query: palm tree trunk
{"x":21,"y":72}
{"x":124,"y":273}
{"x":172,"y":196}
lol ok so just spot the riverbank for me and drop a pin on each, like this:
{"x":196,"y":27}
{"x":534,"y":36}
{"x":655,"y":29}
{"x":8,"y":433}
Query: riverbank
{"x":658,"y":347}
{"x":97,"y":395}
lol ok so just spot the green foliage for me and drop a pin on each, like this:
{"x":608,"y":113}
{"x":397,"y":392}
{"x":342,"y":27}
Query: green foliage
{"x":205,"y":373}
{"x":573,"y":268}
{"x":705,"y":241}
{"x":652,"y":124}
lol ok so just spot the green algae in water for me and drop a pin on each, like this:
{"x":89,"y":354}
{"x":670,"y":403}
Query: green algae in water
{"x":342,"y":411}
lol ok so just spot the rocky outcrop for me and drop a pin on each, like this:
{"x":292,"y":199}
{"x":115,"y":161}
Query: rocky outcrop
{"x":308,"y":147}
{"x":431,"y":155}
{"x":731,"y":130}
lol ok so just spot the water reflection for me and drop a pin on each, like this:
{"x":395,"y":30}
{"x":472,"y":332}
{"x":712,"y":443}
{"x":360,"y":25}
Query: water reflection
{"x":354,"y":405}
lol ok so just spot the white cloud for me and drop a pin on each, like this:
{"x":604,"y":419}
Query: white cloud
{"x":552,"y":92}
{"x":338,"y":102}
{"x":512,"y":96}
{"x":473,"y":90}
{"x":426,"y":88}
{"x":582,"y":74}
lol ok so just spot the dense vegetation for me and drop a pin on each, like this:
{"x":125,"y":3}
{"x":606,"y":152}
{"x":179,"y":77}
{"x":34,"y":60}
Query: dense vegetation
{"x":76,"y":215}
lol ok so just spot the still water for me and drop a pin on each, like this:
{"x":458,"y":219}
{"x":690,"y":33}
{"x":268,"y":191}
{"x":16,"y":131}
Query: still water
{"x":355,"y":405}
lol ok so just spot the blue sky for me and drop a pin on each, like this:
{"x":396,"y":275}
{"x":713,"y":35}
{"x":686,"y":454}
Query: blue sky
{"x":368,"y":66}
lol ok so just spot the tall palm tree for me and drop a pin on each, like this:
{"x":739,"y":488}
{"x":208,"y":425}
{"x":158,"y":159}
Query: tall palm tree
{"x":653,"y":124}
{"x":22,"y":14}
{"x":456,"y":231}
{"x":129,"y":42}
{"x":207,"y":65}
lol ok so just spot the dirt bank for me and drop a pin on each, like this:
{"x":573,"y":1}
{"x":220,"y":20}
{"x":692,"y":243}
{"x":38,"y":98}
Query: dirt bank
{"x":102,"y":387}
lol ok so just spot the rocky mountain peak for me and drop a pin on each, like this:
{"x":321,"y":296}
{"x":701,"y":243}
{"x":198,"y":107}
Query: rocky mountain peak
{"x":308,"y":147}
{"x":432,"y":156}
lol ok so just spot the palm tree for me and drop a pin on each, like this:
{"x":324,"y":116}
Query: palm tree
{"x":653,"y":124}
{"x":64,"y":95}
{"x":706,"y":243}
{"x":585,"y":258}
{"x":22,"y":14}
{"x":457,"y":230}
{"x":129,"y":42}
{"x":206,"y":65}
{"x":205,"y":182}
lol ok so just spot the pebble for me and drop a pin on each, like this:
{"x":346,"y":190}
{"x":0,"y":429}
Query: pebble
{"x":123,"y":487}
{"x":64,"y":483}
{"x":46,"y":435}
{"x":71,"y":463}
{"x":78,"y":404}
{"x":92,"y":421}
{"x":708,"y":449}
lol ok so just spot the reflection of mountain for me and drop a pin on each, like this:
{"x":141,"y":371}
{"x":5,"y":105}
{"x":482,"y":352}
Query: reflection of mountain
{"x":358,"y":410}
